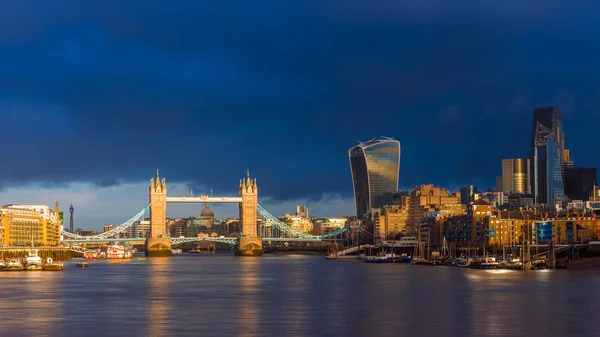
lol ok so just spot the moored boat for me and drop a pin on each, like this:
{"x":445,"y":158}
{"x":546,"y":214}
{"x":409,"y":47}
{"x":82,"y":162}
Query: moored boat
{"x":484,"y":263}
{"x":463,"y":263}
{"x":2,"y":265}
{"x":53,"y":265}
{"x":115,"y":252}
{"x":562,"y":263}
{"x":14,"y":265}
{"x":176,"y":251}
{"x":381,"y":257}
{"x":404,"y":258}
{"x":33,"y":261}
{"x":90,"y":255}
{"x":101,"y":256}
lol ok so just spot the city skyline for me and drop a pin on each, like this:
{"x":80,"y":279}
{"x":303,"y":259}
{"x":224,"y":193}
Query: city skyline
{"x":107,"y":98}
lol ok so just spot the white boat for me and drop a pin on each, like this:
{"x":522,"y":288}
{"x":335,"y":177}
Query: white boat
{"x":53,"y":265}
{"x":381,"y":257}
{"x":176,"y":251}
{"x":90,"y":255}
{"x":115,"y":252}
{"x":14,"y":265}
{"x":33,"y":261}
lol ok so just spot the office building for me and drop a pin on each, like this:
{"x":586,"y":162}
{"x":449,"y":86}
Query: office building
{"x":580,"y":182}
{"x":515,"y":176}
{"x":302,"y":211}
{"x":467,"y":194}
{"x":548,"y":157}
{"x":375,"y":168}
{"x":498,"y":187}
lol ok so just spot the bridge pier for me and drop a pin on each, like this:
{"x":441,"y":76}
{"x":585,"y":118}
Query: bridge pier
{"x":249,"y":247}
{"x":158,"y":247}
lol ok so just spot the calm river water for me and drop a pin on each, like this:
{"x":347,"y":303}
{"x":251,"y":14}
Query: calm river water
{"x":292,"y":295}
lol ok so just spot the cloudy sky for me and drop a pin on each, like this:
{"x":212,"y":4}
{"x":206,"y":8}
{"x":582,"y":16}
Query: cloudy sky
{"x":96,"y":95}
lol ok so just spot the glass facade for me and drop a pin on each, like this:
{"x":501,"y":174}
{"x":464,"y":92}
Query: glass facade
{"x":543,"y":233}
{"x":515,"y":176}
{"x":375,"y":167}
{"x":555,"y":176}
{"x":543,"y":118}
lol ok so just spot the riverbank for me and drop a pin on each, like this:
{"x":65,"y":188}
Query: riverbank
{"x":57,"y":254}
{"x":585,"y":263}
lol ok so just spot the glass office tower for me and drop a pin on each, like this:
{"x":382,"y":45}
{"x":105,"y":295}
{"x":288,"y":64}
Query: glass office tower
{"x":515,"y":176}
{"x":548,"y":156}
{"x":375,"y":168}
{"x":555,"y":184}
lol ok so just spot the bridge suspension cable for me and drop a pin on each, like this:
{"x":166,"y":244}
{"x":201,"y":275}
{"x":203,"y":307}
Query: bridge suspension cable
{"x":268,"y":217}
{"x":287,"y":229}
{"x":117,"y":230}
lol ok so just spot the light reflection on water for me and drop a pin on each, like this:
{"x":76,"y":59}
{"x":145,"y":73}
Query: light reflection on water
{"x":208,"y":295}
{"x":159,"y":299}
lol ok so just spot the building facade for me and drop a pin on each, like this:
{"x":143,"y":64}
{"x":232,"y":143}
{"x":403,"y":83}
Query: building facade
{"x":493,"y":229}
{"x":580,"y":182}
{"x":515,"y":176}
{"x":375,"y":168}
{"x":177,"y":227}
{"x":548,"y":157}
{"x":326,"y":225}
{"x":468,"y":194}
{"x":302,"y":211}
{"x":26,"y":225}
{"x":393,"y":220}
{"x":426,"y":199}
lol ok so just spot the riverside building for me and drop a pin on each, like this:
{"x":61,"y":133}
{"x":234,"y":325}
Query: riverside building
{"x":24,"y":225}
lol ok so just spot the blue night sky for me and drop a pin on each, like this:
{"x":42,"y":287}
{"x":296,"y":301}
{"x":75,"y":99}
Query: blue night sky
{"x":96,"y":95}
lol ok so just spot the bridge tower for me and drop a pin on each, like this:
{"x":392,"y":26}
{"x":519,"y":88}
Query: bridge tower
{"x":249,"y":243}
{"x":159,"y":242}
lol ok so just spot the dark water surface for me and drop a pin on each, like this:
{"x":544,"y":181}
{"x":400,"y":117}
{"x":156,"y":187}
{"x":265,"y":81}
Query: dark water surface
{"x":291,"y":295}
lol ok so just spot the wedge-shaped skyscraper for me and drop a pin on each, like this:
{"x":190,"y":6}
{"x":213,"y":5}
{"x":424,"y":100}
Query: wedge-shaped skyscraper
{"x":375,"y":167}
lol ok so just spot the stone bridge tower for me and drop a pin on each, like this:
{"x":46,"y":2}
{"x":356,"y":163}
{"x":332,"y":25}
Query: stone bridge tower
{"x":249,"y":243}
{"x":159,"y":242}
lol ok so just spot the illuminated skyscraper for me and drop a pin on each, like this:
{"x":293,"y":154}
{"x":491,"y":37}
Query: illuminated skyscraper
{"x":515,"y":176}
{"x":548,"y":156}
{"x":375,"y":167}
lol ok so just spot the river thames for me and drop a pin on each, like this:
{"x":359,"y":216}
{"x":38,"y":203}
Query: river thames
{"x":294,"y":295}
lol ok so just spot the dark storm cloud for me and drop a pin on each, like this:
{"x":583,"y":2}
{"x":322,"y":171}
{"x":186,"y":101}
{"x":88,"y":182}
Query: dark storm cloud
{"x":204,"y":91}
{"x":108,"y":182}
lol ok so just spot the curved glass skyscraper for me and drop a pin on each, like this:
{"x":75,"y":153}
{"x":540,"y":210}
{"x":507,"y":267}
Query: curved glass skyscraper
{"x":375,"y":167}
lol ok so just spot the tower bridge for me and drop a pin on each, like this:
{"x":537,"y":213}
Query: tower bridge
{"x":159,"y":242}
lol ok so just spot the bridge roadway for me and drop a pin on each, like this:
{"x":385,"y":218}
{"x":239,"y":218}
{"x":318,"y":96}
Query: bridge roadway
{"x":176,"y":241}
